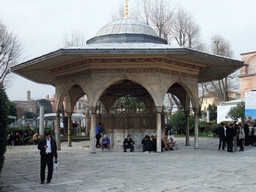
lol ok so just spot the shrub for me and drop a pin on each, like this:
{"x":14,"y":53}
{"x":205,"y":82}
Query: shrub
{"x":215,"y":129}
{"x":204,"y":127}
{"x":3,"y":125}
{"x":30,"y":132}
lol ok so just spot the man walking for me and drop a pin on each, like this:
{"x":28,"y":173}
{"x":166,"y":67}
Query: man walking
{"x":47,"y":146}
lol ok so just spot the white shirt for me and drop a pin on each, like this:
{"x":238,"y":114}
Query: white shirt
{"x":250,"y":130}
{"x":225,"y":131}
{"x":48,"y":144}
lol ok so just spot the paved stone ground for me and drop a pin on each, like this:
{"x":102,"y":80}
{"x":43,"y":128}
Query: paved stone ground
{"x":186,"y":169}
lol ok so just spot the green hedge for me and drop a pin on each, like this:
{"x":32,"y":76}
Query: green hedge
{"x":204,"y":127}
{"x":22,"y":130}
{"x":215,"y":129}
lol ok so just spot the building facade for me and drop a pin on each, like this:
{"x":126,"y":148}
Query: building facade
{"x":248,"y":73}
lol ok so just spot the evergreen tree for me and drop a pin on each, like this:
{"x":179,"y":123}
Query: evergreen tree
{"x":237,"y":112}
{"x":3,"y":125}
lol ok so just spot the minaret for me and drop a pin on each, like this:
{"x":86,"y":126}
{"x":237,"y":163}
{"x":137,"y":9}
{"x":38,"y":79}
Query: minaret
{"x":126,"y":16}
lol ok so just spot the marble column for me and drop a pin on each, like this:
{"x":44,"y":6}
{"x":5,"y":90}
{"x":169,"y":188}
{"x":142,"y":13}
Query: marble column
{"x":159,"y":128}
{"x":69,"y":130}
{"x":41,"y":125}
{"x":57,"y":130}
{"x":87,"y":127}
{"x":187,"y":128}
{"x":208,"y":115}
{"x":93,"y":130}
{"x":196,"y":128}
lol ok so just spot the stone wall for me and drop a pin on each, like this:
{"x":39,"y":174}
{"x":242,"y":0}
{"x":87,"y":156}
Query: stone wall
{"x":247,"y":84}
{"x":117,"y":126}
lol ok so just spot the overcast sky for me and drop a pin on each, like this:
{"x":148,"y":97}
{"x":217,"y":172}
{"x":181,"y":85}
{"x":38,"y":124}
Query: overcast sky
{"x":41,"y":26}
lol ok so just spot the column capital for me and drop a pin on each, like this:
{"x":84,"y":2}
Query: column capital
{"x":159,"y":109}
{"x":68,"y":113}
{"x":93,"y":110}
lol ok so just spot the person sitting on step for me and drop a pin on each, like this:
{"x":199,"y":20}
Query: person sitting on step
{"x":128,"y":143}
{"x":105,"y":143}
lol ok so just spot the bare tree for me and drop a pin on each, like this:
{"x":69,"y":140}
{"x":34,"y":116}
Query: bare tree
{"x":74,"y":39}
{"x":179,"y":27}
{"x":220,"y":46}
{"x":10,"y":50}
{"x":119,"y":14}
{"x":220,"y":88}
{"x":184,"y":30}
{"x":144,"y":14}
{"x":160,"y":15}
{"x":193,"y":33}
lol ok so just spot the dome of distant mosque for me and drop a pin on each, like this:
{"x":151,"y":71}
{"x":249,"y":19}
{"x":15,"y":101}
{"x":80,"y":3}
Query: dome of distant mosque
{"x":126,"y":31}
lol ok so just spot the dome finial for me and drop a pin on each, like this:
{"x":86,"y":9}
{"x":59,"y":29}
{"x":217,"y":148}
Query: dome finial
{"x":126,"y":16}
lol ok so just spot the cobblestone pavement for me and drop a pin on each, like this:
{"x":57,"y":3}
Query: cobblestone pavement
{"x":186,"y":169}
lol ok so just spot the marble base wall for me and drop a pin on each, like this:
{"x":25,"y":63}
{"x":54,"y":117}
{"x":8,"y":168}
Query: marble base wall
{"x":117,"y":126}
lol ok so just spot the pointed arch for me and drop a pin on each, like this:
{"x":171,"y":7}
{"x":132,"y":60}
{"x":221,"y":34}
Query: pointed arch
{"x":105,"y":86}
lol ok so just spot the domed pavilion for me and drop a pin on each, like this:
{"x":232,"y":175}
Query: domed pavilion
{"x":126,"y":57}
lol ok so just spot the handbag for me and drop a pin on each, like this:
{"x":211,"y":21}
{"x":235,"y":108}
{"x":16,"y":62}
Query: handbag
{"x":55,"y":166}
{"x":241,"y":133}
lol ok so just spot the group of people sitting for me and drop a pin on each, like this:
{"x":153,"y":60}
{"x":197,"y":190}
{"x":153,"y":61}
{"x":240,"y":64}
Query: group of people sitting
{"x":150,"y":144}
{"x":18,"y":140}
{"x":237,"y":135}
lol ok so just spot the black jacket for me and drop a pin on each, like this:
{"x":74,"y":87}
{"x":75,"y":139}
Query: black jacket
{"x":221,"y":132}
{"x":230,"y":133}
{"x":128,"y":141}
{"x":41,"y":145}
{"x":246,"y":129}
{"x":148,"y":145}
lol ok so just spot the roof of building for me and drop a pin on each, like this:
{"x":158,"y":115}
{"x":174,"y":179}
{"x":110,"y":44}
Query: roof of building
{"x":233,"y":102}
{"x":130,"y":26}
{"x":126,"y":31}
{"x":248,"y":53}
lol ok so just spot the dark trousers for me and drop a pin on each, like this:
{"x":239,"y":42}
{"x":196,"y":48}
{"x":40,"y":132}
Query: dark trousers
{"x":98,"y":140}
{"x":246,"y":140}
{"x":105,"y":146}
{"x":128,"y":147}
{"x":25,"y":141}
{"x":223,"y":141}
{"x":241,"y":144}
{"x":230,"y":144}
{"x":46,"y":159}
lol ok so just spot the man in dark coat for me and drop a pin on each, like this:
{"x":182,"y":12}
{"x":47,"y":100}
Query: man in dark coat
{"x":230,"y":135}
{"x":128,"y":143}
{"x":222,"y":136}
{"x":147,"y":144}
{"x":246,"y":131}
{"x":48,"y":150}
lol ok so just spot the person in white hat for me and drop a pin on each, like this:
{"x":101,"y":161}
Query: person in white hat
{"x":105,"y":143}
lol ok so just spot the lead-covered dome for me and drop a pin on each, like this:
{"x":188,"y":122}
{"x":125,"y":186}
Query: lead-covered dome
{"x":126,"y":31}
{"x":129,"y":26}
